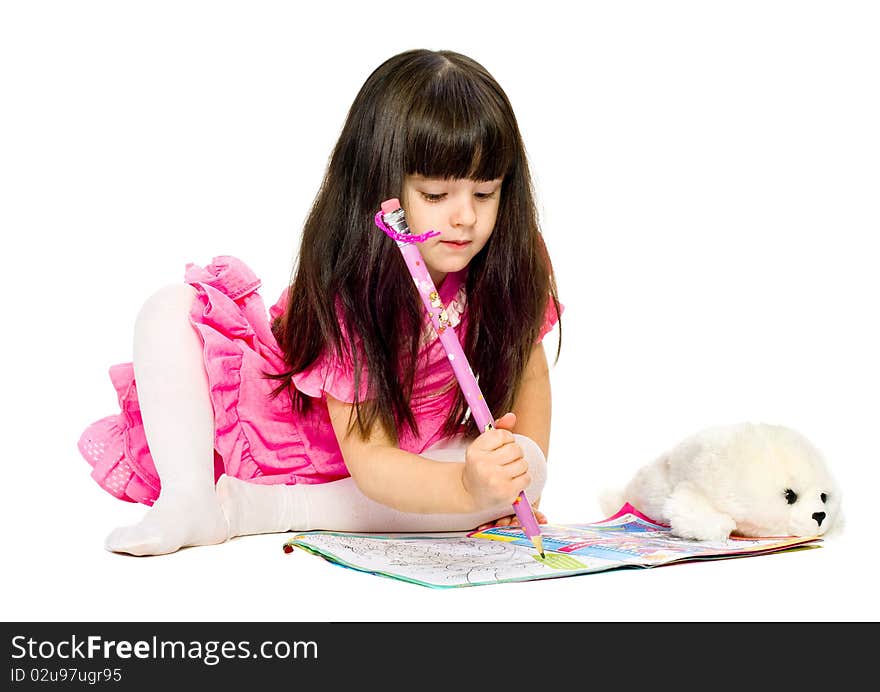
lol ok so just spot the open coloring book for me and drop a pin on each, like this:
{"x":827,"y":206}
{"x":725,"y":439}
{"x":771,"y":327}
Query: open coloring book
{"x":503,"y":554}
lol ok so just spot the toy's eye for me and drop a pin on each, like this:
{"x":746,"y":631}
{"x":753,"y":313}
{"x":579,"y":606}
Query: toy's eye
{"x":823,"y":497}
{"x":790,"y":496}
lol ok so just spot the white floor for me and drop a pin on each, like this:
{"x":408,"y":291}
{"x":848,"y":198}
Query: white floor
{"x":56,"y":569}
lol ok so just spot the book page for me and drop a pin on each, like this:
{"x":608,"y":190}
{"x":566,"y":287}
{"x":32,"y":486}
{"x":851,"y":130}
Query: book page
{"x":504,"y":554}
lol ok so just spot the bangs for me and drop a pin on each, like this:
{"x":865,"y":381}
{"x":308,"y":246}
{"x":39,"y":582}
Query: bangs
{"x":459,"y":130}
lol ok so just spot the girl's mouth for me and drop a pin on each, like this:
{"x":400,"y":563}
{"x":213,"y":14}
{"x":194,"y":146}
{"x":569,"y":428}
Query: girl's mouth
{"x":452,"y":244}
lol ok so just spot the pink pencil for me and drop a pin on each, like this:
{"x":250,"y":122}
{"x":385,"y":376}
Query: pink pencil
{"x":392,"y":221}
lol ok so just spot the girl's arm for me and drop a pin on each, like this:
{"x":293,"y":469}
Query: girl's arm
{"x":394,"y":477}
{"x":532,"y":403}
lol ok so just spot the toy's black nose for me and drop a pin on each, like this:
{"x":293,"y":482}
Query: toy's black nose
{"x":819,"y":516}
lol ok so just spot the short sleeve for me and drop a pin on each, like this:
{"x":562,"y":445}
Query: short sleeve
{"x":551,"y":317}
{"x":280,"y":306}
{"x":331,"y":375}
{"x":334,"y":375}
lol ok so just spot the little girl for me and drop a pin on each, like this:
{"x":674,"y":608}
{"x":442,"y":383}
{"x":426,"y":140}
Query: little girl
{"x":340,"y":410}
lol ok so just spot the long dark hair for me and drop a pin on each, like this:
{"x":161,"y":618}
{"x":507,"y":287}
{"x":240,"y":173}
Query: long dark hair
{"x":437,"y":114}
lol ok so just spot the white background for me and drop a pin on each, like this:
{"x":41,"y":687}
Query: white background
{"x":707,"y":177}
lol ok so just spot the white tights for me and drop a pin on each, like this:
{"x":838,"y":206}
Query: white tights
{"x":178,"y":422}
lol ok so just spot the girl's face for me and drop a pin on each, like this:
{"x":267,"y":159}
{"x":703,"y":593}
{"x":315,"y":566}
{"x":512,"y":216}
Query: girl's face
{"x":460,"y":210}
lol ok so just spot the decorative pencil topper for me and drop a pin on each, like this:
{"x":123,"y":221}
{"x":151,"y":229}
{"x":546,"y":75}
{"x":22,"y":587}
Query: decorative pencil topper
{"x":402,"y":237}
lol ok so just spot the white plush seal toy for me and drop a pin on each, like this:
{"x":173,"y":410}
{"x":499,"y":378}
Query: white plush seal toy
{"x":749,"y":479}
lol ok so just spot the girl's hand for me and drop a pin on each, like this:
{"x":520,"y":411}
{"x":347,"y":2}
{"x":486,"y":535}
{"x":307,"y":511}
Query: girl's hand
{"x":513,"y":520}
{"x":495,"y":470}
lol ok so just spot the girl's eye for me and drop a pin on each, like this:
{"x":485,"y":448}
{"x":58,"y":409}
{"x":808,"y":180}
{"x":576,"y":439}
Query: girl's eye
{"x":790,"y":496}
{"x":431,"y":197}
{"x":823,"y":497}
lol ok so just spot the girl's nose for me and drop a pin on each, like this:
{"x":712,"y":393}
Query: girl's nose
{"x":465,"y":213}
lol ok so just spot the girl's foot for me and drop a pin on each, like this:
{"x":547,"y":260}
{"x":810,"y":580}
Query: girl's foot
{"x":252,"y":508}
{"x":173,"y":522}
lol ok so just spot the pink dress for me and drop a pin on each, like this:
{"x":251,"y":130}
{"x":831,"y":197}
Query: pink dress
{"x":258,"y":438}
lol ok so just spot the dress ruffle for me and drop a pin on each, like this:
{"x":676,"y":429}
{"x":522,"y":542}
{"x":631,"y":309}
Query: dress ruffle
{"x":256,"y":437}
